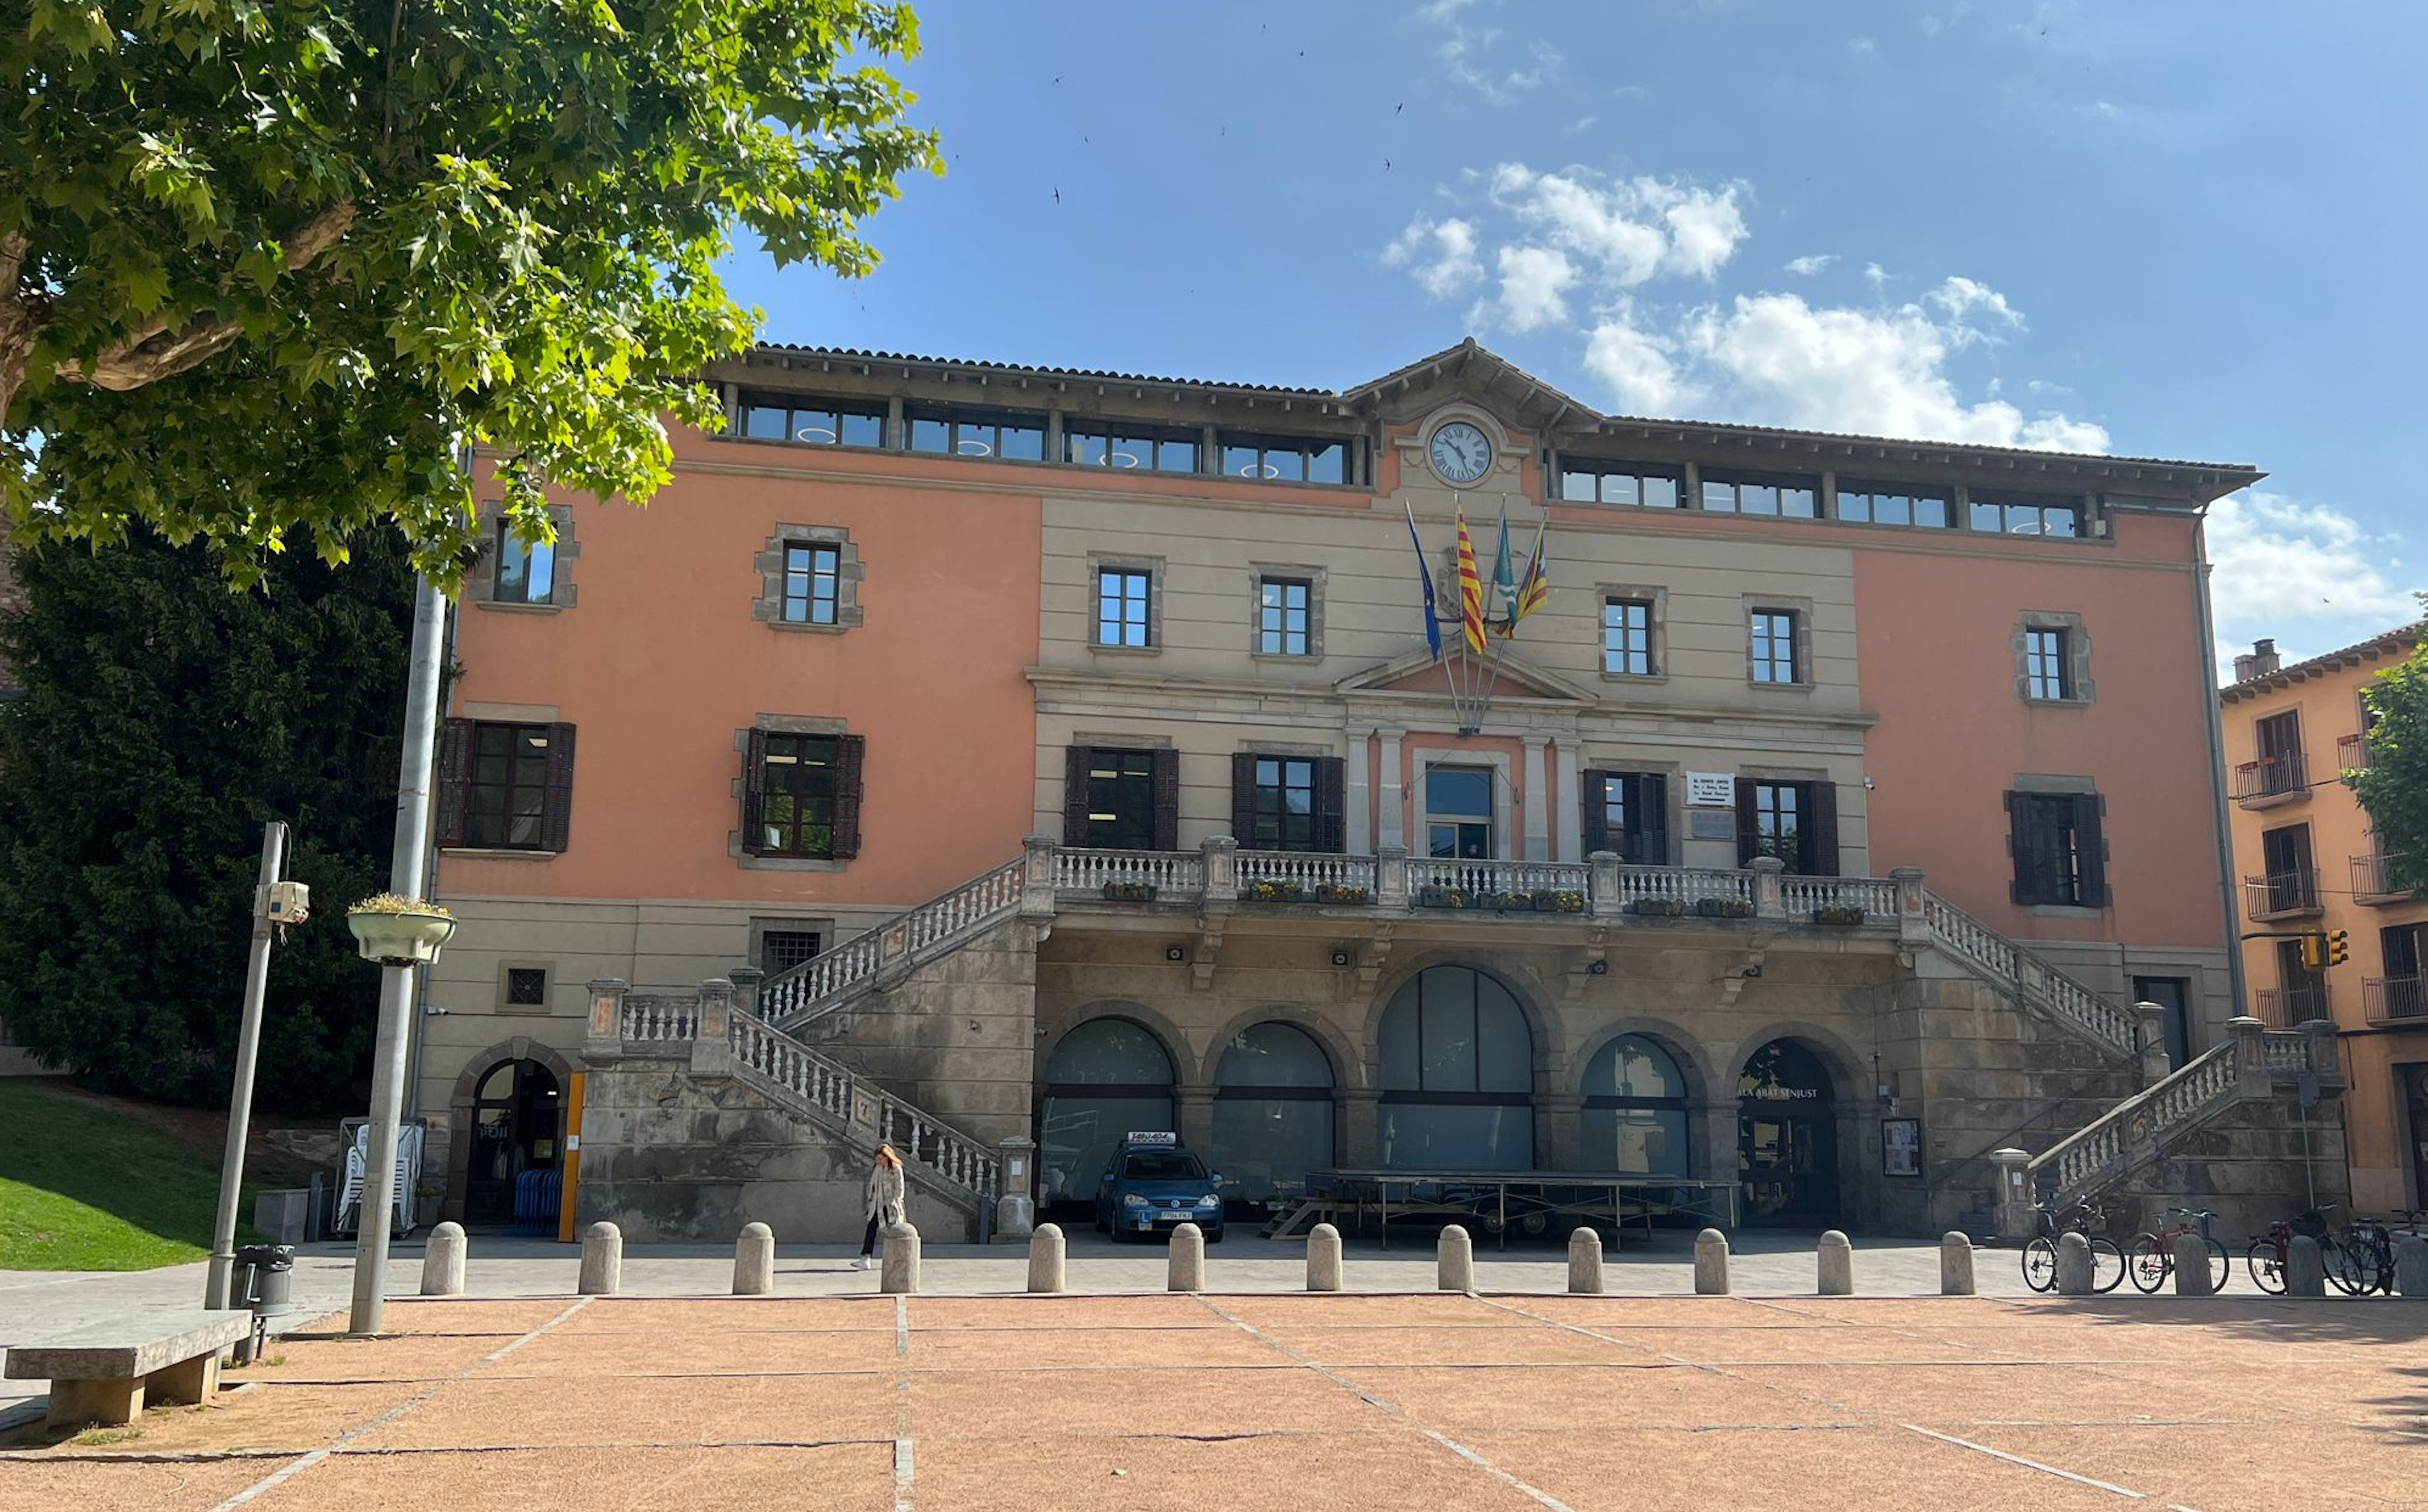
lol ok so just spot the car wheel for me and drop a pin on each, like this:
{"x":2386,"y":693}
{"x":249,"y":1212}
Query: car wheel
{"x":1215,"y":1237}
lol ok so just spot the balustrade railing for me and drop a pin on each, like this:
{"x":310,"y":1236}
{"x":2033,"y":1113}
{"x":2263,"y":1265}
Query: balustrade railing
{"x":654,"y":1020}
{"x":820,"y":980}
{"x":1171,"y":873}
{"x":2035,"y":981}
{"x":2084,"y":1161}
{"x":1685,"y":884}
{"x":828,"y":1088}
{"x":1875,"y":896}
{"x":1305,"y":870}
{"x":1484,"y":879}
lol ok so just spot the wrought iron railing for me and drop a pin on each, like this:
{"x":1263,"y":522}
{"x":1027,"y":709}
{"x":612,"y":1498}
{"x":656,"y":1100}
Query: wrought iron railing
{"x":2279,"y":894}
{"x":2351,"y":753}
{"x":2288,"y":1007}
{"x":2271,"y":777}
{"x":2372,"y":879}
{"x":2393,"y":1000}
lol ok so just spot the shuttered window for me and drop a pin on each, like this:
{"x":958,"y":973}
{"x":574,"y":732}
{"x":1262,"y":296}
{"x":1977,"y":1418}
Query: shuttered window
{"x":1796,"y":821}
{"x":1288,"y":803}
{"x":1628,"y":812}
{"x":506,"y":787}
{"x":802,"y":795}
{"x":1121,"y":800}
{"x":2060,"y":858}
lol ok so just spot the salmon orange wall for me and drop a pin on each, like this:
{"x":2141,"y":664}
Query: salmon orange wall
{"x":1934,"y":642}
{"x":659,"y":663}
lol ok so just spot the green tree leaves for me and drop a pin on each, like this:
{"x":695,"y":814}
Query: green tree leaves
{"x":2394,"y":785}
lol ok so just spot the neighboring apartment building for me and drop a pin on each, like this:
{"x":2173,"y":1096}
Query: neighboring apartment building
{"x":906,"y":612}
{"x":2310,"y":868}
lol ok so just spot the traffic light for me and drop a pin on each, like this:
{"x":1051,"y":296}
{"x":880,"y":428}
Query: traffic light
{"x":2338,"y":948}
{"x":2314,"y":951}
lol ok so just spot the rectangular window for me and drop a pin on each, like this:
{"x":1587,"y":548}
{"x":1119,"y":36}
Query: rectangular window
{"x":781,"y":949}
{"x":2290,"y":879}
{"x":1145,"y":448}
{"x":1627,"y":637}
{"x":1795,"y":497}
{"x":811,"y":574}
{"x":1776,"y":818}
{"x":1285,"y":805}
{"x":1282,"y":616}
{"x":1458,"y":812}
{"x":1284,"y":459}
{"x":1774,"y":658}
{"x":1122,"y":606}
{"x":526,"y":573}
{"x":1121,"y":800}
{"x":2055,"y":842}
{"x":1628,"y":812}
{"x":811,"y":422}
{"x":526,"y":986}
{"x":1893,"y":504}
{"x":2048,"y":671}
{"x":970,"y":433}
{"x":1584,"y":481}
{"x":796,"y":797}
{"x":2027,"y":516}
{"x":509,"y":787}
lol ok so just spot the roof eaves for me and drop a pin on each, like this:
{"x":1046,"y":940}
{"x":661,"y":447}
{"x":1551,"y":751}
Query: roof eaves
{"x":2394,"y":643}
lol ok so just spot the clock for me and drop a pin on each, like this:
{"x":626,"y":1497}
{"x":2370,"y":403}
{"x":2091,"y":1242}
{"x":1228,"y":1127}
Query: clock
{"x":1460,"y":452}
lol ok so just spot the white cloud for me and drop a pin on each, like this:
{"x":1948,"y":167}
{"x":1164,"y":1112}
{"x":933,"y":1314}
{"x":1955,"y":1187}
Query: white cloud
{"x":2305,"y":572}
{"x":1864,"y":47}
{"x":1812,"y":263}
{"x":1533,"y":280}
{"x":1632,"y":230}
{"x":1439,"y":255}
{"x":1960,"y":299}
{"x":1469,"y":56}
{"x":1877,"y":276}
{"x":1637,"y":364}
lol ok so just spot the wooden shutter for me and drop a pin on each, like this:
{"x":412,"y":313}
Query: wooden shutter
{"x":1651,"y":802}
{"x":1748,"y":833}
{"x":1077,"y":761}
{"x":1331,"y":805}
{"x":851,"y":752}
{"x":1822,"y":853}
{"x":754,"y":794}
{"x":1166,"y":767}
{"x":1596,"y":810}
{"x":2088,"y":809}
{"x":454,"y":781}
{"x":2024,"y":846}
{"x":1243,"y":798}
{"x":556,"y":811}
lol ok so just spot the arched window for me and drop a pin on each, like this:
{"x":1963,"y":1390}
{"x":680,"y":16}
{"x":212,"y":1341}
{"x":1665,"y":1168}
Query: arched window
{"x":515,"y":1113}
{"x":1458,"y":1075}
{"x":1106,"y":1078}
{"x":1272,"y":1112}
{"x":1787,"y":1143}
{"x":1636,"y":1110}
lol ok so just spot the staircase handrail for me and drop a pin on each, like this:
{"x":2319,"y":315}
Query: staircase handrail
{"x":830,"y":1090}
{"x":2080,"y":1162}
{"x":2072,"y":1004}
{"x":823,"y":982}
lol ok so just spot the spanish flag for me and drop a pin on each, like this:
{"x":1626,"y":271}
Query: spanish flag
{"x":1470,"y":588}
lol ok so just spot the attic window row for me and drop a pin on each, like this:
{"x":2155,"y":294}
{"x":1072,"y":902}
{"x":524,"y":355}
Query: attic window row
{"x":1645,"y":485}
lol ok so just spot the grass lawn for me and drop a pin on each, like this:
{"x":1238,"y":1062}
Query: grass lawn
{"x":96,"y":1184}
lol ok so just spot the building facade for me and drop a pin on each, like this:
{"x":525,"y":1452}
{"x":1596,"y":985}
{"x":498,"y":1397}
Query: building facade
{"x":2313,"y":873}
{"x":1818,"y":833}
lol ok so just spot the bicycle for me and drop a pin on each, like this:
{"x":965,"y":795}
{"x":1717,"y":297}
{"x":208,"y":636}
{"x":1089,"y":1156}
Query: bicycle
{"x":2085,"y":1218}
{"x":2364,"y":1258}
{"x":2151,"y":1259}
{"x":2265,"y":1259}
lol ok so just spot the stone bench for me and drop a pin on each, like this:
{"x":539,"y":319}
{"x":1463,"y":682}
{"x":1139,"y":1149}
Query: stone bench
{"x":105,"y":1374}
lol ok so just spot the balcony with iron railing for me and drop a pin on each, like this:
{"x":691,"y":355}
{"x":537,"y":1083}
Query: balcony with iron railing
{"x":2372,"y":881}
{"x":2291,"y":1007}
{"x":2282,"y":894}
{"x":2272,"y":780}
{"x":2394,"y":1001}
{"x":2351,"y":753}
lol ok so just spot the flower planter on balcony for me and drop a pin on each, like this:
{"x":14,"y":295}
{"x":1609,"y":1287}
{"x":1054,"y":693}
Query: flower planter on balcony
{"x":1444,"y":897}
{"x":1130,"y":892}
{"x":395,"y":931}
{"x":1658,"y":907}
{"x":1326,"y":892}
{"x":1514,"y":902}
{"x":1275,"y":892}
{"x":1838,"y":915}
{"x":1556,"y":900}
{"x":1723,"y":908}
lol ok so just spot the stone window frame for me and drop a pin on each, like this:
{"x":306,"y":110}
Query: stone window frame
{"x":2077,"y":656}
{"x":1257,"y":572}
{"x":769,"y":609}
{"x":2055,"y":785}
{"x":1806,"y":673}
{"x":523,"y":1009}
{"x":1101,"y":562}
{"x":1659,"y":599}
{"x":777,"y":725}
{"x":481,"y":586}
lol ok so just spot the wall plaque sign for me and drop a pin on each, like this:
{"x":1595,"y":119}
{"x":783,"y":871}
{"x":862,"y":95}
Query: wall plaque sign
{"x":1710,"y":789}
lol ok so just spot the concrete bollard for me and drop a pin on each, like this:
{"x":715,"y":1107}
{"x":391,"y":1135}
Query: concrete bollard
{"x":1955,"y":1265}
{"x":900,"y":1272}
{"x":602,"y":1261}
{"x":1836,"y":1259}
{"x":1455,"y":1260}
{"x":2191,"y":1259}
{"x":1711,"y":1263}
{"x":1584,"y":1262}
{"x":2411,"y":1268}
{"x":2306,"y":1268}
{"x":1045,"y":1253}
{"x":1323,"y":1258}
{"x":754,"y":1262}
{"x":2073,"y":1266}
{"x":442,"y":1262}
{"x":1186,"y":1271}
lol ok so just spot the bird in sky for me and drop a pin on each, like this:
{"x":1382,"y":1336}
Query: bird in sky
{"x":1057,"y":195}
{"x":1395,"y":109}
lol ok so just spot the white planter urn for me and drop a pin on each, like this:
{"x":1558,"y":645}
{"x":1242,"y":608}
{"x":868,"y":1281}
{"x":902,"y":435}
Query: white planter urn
{"x":400,"y":939}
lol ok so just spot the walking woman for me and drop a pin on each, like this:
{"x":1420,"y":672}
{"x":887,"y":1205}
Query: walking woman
{"x":884,"y":1204}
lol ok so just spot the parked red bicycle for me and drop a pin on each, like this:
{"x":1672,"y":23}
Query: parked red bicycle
{"x":2151,"y":1259}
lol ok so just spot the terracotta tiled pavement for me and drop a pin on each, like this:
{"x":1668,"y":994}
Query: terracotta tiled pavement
{"x":2228,"y":1405}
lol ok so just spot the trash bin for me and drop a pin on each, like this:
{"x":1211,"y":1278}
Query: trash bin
{"x":264,"y":1282}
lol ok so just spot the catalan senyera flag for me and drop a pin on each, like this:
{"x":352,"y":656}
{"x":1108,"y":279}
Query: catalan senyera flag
{"x":1535,"y":587}
{"x":1470,"y":588}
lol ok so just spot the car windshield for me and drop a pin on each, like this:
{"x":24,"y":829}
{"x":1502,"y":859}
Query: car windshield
{"x":1163,"y":1165}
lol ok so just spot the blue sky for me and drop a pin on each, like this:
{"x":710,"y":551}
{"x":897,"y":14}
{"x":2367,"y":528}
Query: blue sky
{"x":2149,"y":228}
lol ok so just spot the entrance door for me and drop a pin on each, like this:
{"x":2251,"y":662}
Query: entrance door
{"x":1787,"y":1139}
{"x":517,"y":1127}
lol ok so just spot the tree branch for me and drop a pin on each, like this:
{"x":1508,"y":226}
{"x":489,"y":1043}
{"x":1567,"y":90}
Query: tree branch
{"x":21,"y":320}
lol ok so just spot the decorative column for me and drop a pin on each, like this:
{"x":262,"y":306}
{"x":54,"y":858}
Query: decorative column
{"x":604,"y":1038}
{"x":1219,"y":855}
{"x":1603,"y":900}
{"x":2150,"y":1036}
{"x":1360,"y":796}
{"x":2016,"y":1219}
{"x":1394,"y":828}
{"x":1037,"y":877}
{"x":1768,"y":903}
{"x":2250,"y":1039}
{"x":1538,"y":819}
{"x":746,"y":979}
{"x":1391,"y":877}
{"x":712,"y":1046}
{"x":1569,"y":795}
{"x":1913,"y":926}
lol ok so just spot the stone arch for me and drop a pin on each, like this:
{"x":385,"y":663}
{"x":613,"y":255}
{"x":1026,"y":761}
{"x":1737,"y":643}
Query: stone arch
{"x":1839,"y":1058}
{"x":1533,"y":999}
{"x":1849,"y":1120}
{"x":466,"y":1091}
{"x":1703,"y":1080}
{"x":1348,"y":1070}
{"x":1165,"y":1032}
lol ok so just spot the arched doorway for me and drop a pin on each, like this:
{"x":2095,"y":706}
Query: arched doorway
{"x":1106,"y":1078}
{"x":1458,"y":1075}
{"x":1787,"y":1139}
{"x":1636,"y":1110}
{"x":518,"y":1126}
{"x":1272,"y":1112}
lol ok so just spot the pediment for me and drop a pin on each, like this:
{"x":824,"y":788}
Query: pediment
{"x":1418,"y":672}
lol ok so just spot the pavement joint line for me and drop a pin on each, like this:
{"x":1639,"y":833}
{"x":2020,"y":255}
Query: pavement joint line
{"x":1533,"y":1492}
{"x":351,"y":1435}
{"x":206,"y":1457}
{"x":905,"y":1447}
{"x":2027,"y":1464}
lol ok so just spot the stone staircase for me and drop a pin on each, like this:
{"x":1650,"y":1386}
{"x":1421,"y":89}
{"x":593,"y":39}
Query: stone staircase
{"x":791,"y":1000}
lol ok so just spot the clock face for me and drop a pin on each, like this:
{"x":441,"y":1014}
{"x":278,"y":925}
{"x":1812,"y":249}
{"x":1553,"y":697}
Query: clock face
{"x":1460,"y":452}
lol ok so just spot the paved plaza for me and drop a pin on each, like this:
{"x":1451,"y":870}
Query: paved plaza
{"x":1490,"y":1402}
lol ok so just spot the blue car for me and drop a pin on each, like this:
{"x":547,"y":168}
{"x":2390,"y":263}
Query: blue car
{"x":1155,"y":1184}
